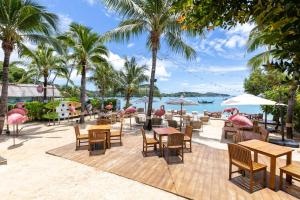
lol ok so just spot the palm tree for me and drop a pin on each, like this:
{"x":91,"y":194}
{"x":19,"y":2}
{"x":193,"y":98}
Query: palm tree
{"x":20,"y":21}
{"x":88,"y":50}
{"x":155,"y":18}
{"x":104,"y":78}
{"x":44,"y":63}
{"x":131,"y":78}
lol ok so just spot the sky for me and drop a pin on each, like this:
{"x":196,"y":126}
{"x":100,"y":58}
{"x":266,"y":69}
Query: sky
{"x":220,"y":65}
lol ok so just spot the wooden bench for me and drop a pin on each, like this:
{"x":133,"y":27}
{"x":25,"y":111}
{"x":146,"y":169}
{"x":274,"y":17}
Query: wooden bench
{"x":292,"y":170}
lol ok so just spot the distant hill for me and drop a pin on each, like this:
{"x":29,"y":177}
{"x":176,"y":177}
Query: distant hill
{"x":194,"y":94}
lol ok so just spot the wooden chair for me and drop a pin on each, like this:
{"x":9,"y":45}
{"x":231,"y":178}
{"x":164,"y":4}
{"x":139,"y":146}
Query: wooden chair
{"x":103,"y":121}
{"x":117,"y":134}
{"x":80,"y":138}
{"x":241,"y":157}
{"x":148,"y":142}
{"x":175,"y":142}
{"x":97,"y":136}
{"x":113,"y":118}
{"x":204,"y":119}
{"x":188,"y":136}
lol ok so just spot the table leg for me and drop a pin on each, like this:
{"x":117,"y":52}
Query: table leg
{"x":108,"y":140}
{"x":255,"y":156}
{"x":288,"y":161}
{"x":272,"y":180}
{"x":160,"y":146}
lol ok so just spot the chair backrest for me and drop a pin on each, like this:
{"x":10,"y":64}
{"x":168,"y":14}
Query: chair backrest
{"x":156,"y":121}
{"x":240,"y":154}
{"x":175,"y":139}
{"x":113,"y":118}
{"x":121,"y":128}
{"x":172,"y":123}
{"x":103,"y":121}
{"x":144,"y":134}
{"x":188,"y":131}
{"x":96,"y":134}
{"x":77,"y":130}
{"x":264,"y":133}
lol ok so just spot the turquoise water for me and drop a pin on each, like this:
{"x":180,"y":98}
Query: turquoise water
{"x":214,"y":107}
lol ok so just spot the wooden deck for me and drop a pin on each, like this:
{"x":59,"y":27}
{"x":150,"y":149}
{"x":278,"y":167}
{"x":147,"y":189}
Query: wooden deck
{"x":204,"y":174}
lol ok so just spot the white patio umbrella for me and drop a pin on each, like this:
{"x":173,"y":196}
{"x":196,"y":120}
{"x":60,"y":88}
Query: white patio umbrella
{"x":182,"y":102}
{"x":249,"y":99}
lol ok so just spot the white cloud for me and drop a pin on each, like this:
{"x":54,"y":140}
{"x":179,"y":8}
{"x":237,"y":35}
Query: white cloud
{"x":116,"y":61}
{"x":91,"y":2}
{"x":217,"y":69}
{"x":64,"y":23}
{"x":241,"y":29}
{"x":161,"y":72}
{"x":130,"y":45}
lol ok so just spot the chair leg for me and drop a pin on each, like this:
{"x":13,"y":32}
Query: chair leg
{"x":251,"y":182}
{"x":230,"y":170}
{"x":190,"y":145}
{"x":280,"y":179}
{"x":146,"y":150}
{"x":182,"y":154}
{"x":265,"y":178}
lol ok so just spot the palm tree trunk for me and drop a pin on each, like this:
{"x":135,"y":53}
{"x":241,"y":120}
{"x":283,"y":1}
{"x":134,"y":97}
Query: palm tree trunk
{"x":82,"y":94}
{"x":68,"y":78}
{"x":290,"y":109}
{"x":45,"y":87}
{"x":127,"y":98}
{"x":7,"y":48}
{"x":155,"y":41}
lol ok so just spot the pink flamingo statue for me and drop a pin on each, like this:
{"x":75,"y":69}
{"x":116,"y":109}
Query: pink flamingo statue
{"x":161,"y":111}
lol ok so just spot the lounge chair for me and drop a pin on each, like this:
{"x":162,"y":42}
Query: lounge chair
{"x":175,"y":142}
{"x":188,"y":136}
{"x":197,"y":125}
{"x":204,"y":119}
{"x":148,"y":142}
{"x":117,"y":134}
{"x":173,"y":123}
{"x":138,"y":121}
{"x":156,"y":121}
{"x":80,"y":138}
{"x":244,"y":135}
{"x":241,"y":157}
{"x":229,"y":128}
{"x":97,"y":136}
{"x":140,"y":110}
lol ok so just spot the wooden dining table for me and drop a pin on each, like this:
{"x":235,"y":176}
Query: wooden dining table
{"x":273,"y":151}
{"x":160,"y":132}
{"x":102,"y":127}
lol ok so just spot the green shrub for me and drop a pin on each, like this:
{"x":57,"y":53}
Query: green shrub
{"x":96,"y":103}
{"x":50,"y":115}
{"x":73,"y":99}
{"x":35,"y":109}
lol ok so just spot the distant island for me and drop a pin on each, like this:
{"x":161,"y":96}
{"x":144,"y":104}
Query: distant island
{"x":194,"y":94}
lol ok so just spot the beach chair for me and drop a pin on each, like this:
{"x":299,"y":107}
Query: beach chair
{"x":197,"y":125}
{"x":175,"y":142}
{"x":117,"y":134}
{"x":80,"y":138}
{"x":188,"y":136}
{"x":97,"y":136}
{"x":241,"y":157}
{"x":148,"y":142}
{"x":156,"y":121}
{"x":103,"y":121}
{"x":173,"y":123}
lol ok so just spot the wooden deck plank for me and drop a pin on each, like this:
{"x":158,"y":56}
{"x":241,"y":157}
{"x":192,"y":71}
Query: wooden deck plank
{"x":203,"y":175}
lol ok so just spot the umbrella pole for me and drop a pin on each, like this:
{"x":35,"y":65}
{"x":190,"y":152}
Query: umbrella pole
{"x":180,"y":116}
{"x":266,"y":115}
{"x":281,"y":121}
{"x":145,"y":107}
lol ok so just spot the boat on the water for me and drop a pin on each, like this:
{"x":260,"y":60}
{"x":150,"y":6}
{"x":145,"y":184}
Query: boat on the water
{"x":205,"y":102}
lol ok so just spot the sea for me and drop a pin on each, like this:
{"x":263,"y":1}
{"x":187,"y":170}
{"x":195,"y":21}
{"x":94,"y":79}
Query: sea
{"x":200,"y":108}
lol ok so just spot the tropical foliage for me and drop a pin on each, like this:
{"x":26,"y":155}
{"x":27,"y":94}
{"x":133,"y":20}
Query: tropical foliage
{"x":88,"y":51}
{"x":158,"y":20}
{"x":130,"y":78}
{"x":21,"y":21}
{"x":44,"y":63}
